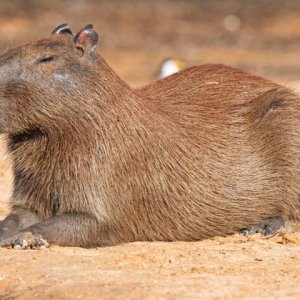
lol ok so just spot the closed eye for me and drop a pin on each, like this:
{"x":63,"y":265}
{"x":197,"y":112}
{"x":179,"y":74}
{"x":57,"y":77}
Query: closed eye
{"x":46,"y":59}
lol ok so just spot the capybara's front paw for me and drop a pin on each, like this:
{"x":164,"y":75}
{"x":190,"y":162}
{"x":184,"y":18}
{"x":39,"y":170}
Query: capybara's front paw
{"x":266,"y":228}
{"x":25,"y":240}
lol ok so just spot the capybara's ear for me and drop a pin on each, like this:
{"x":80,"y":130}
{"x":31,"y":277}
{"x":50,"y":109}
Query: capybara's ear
{"x":62,"y":29}
{"x":86,"y":40}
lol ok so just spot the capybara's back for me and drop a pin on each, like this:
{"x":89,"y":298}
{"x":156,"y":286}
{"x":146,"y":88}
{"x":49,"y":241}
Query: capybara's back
{"x":208,"y":151}
{"x":242,"y":137}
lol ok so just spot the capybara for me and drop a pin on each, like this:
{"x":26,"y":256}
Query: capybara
{"x":206,"y":152}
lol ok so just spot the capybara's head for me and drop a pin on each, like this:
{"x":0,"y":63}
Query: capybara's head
{"x":44,"y":82}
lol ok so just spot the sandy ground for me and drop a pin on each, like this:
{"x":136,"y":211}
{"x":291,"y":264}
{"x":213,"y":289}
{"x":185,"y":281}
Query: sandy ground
{"x":134,"y":37}
{"x":231,"y":268}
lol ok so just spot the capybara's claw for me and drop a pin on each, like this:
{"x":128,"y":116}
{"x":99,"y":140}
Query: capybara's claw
{"x":25,"y":240}
{"x":267,"y":228}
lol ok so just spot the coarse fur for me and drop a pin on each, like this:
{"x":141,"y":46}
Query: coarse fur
{"x":207,"y":151}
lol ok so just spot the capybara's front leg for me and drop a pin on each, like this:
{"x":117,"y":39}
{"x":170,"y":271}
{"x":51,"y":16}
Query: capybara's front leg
{"x":65,"y":230}
{"x":18,"y":219}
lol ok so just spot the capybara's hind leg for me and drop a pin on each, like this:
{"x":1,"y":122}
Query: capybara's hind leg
{"x":18,"y":219}
{"x":64,"y":230}
{"x":267,"y":228}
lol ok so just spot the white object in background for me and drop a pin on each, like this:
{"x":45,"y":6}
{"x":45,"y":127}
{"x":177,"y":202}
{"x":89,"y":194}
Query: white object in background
{"x":171,"y":66}
{"x":232,"y":23}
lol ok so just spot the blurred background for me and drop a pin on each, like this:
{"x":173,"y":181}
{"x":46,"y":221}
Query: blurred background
{"x":261,"y":36}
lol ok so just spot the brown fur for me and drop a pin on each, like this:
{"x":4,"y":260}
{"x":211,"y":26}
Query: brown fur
{"x":207,"y":151}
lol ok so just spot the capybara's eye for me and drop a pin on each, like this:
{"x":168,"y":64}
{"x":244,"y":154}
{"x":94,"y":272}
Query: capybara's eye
{"x":45,"y":59}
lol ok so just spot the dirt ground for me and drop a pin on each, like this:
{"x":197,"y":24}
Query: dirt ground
{"x":135,"y":36}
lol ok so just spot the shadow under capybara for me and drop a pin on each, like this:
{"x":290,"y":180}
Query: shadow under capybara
{"x":208,"y":151}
